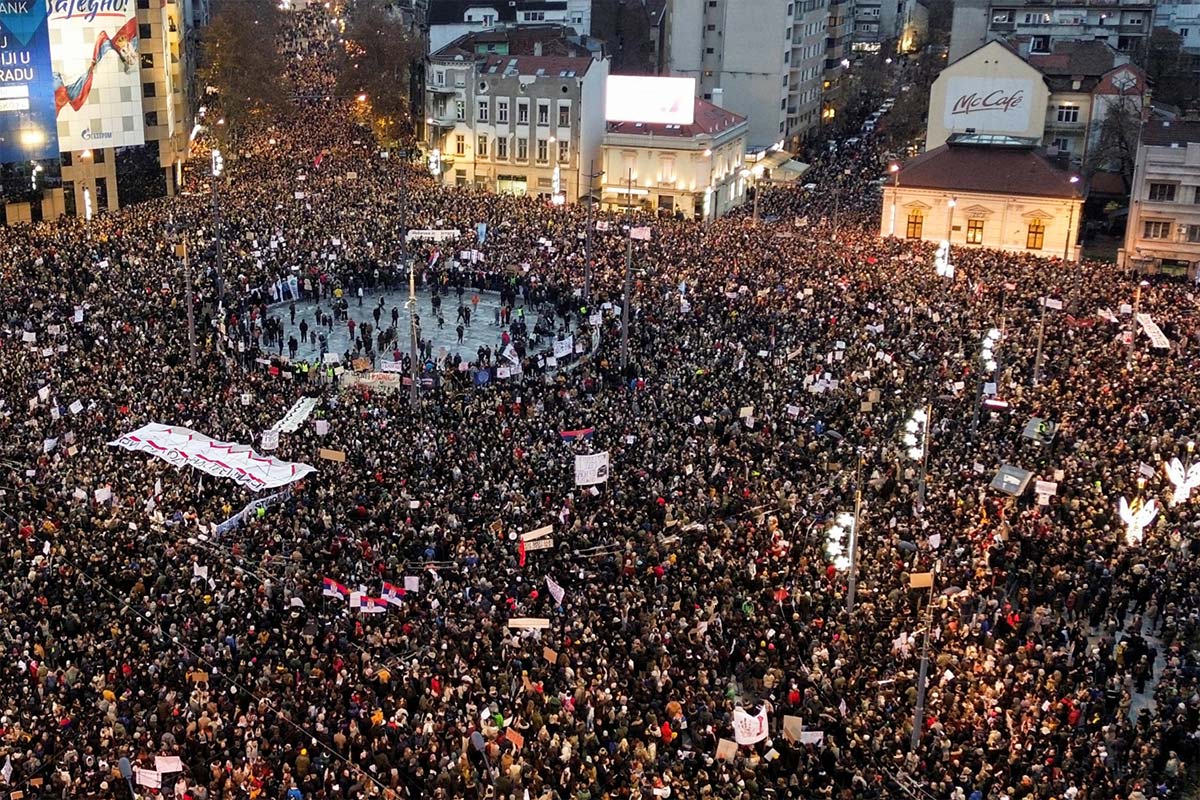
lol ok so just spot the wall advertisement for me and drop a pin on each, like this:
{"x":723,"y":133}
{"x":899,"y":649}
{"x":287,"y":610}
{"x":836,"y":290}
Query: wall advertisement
{"x":98,"y":95}
{"x":989,"y":105}
{"x":27,"y":130}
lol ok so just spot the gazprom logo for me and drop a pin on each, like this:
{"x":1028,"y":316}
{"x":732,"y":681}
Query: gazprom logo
{"x":89,"y":135}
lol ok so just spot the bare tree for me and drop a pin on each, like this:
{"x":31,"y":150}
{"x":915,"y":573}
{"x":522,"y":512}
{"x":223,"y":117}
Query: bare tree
{"x":378,"y":59}
{"x":1116,"y":149}
{"x":243,"y":64}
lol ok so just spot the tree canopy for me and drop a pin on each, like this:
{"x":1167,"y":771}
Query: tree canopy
{"x":243,"y":64}
{"x":377,"y":60}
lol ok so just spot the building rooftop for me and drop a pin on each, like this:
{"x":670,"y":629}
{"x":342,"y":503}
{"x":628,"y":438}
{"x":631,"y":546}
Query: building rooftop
{"x":524,"y":40}
{"x":708,"y":119}
{"x":452,"y":12}
{"x":540,"y":66}
{"x":963,"y":167}
{"x":1166,"y":133}
{"x":1084,"y":62}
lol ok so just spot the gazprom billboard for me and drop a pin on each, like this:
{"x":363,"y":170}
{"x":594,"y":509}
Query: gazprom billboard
{"x":27,"y":126}
{"x":662,"y":101}
{"x":98,"y":81}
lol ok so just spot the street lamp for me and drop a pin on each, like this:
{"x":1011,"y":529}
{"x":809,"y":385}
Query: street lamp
{"x":835,"y":541}
{"x":1183,"y":477}
{"x":987,"y":355}
{"x":754,"y":173}
{"x":894,"y":169}
{"x":1137,"y":515}
{"x":916,"y":440}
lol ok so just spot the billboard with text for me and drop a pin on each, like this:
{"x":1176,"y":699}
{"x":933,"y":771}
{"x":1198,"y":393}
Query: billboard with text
{"x":98,"y":95}
{"x":989,"y":105}
{"x":658,"y":101}
{"x":27,"y":128}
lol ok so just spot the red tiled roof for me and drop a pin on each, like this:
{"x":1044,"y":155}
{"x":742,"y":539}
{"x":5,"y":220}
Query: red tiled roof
{"x":550,"y":66}
{"x":988,"y":170}
{"x":708,"y":119}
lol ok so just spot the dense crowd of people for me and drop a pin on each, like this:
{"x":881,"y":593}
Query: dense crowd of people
{"x":772,"y":369}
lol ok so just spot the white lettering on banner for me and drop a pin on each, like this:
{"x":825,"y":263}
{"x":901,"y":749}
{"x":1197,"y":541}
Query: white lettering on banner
{"x":391,"y":366}
{"x":240,"y":463}
{"x":1045,"y":487}
{"x":270,"y":439}
{"x":591,"y":469}
{"x":748,"y":729}
{"x":1157,"y":339}
{"x":537,"y":533}
{"x":989,"y":105}
{"x":539,"y":544}
{"x":295,"y":416}
{"x":428,"y":235}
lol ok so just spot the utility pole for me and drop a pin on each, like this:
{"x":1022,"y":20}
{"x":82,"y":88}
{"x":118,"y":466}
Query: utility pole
{"x":181,"y":249}
{"x":629,"y":195}
{"x":925,"y":456}
{"x":218,"y":168}
{"x":625,"y":303}
{"x":1037,"y":359}
{"x":852,"y":582}
{"x":587,"y":246}
{"x":922,"y":678}
{"x":414,"y":369}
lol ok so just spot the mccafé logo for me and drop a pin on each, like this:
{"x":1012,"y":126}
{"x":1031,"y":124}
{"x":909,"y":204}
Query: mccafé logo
{"x":992,"y":101}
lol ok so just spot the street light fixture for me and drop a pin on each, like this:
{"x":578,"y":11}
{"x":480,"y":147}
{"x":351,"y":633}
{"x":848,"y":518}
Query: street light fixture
{"x":836,"y":540}
{"x":916,"y":440}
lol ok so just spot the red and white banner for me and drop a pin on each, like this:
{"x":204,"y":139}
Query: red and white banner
{"x":238,"y":462}
{"x":748,"y":729}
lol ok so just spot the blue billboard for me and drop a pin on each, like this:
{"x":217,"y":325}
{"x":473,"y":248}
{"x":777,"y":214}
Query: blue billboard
{"x":28,"y":131}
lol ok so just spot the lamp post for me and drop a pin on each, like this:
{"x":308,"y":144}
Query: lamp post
{"x":988,"y":356}
{"x":587,"y":245}
{"x":837,"y":201}
{"x":181,"y":249}
{"x":852,"y":581}
{"x":922,"y":677}
{"x":753,"y":174}
{"x":916,"y":439}
{"x":218,"y":169}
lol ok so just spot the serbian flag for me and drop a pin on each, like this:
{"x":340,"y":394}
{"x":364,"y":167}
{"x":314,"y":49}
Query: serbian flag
{"x":334,"y":589}
{"x":434,"y":256}
{"x":577,"y":435}
{"x":392,"y":593}
{"x":373,"y":605}
{"x":320,"y":157}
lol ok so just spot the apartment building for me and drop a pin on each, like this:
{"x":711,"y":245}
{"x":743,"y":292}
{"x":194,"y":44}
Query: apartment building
{"x":1162,"y":234}
{"x":526,"y":121}
{"x":1182,"y":17}
{"x":898,"y":25}
{"x":1123,"y":24}
{"x":769,"y":59}
{"x":839,"y":31}
{"x":449,"y":20}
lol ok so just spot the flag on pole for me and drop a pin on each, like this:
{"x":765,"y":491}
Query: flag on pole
{"x":576,"y":435}
{"x":373,"y":605}
{"x":332,"y":588}
{"x":556,"y":591}
{"x":392,"y":593}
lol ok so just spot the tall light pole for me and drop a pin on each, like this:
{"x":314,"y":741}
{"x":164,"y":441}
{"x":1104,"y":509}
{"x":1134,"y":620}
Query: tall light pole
{"x":218,"y":169}
{"x":922,"y":677}
{"x":852,"y":580}
{"x":414,"y":370}
{"x":988,"y":356}
{"x":916,"y":439}
{"x":181,"y":249}
{"x":895,"y":170}
{"x":1037,"y":358}
{"x":625,"y":303}
{"x":587,"y":245}
{"x":837,"y":201}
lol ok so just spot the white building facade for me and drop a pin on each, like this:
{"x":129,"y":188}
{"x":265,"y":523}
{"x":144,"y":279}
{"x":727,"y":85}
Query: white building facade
{"x":450,"y":19}
{"x":692,"y":170}
{"x":1163,"y":230}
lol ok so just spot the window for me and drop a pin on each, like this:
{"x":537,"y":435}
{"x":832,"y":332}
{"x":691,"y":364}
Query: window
{"x":1157,"y":230}
{"x":1068,"y":113}
{"x":460,"y":145}
{"x":543,"y":150}
{"x":522,"y":149}
{"x":916,"y":221}
{"x":974,"y":231}
{"x":543,"y":113}
{"x":1039,"y":44}
{"x":1193,"y":234}
{"x":1184,"y":32}
{"x":460,"y":110}
{"x":98,"y":156}
{"x":1036,"y":236}
{"x":460,"y":177}
{"x":502,"y":148}
{"x":439,"y":77}
{"x":1162,"y":192}
{"x":564,"y":116}
{"x":502,"y":111}
{"x":522,"y":112}
{"x":143,"y":4}
{"x":489,"y":20}
{"x":148,"y":90}
{"x":481,"y":147}
{"x":151,"y":119}
{"x":483,"y":110}
{"x":1062,"y":143}
{"x":143,"y":31}
{"x":564,"y":151}
{"x":147,"y":60}
{"x":535,"y":16}
{"x":709,"y":51}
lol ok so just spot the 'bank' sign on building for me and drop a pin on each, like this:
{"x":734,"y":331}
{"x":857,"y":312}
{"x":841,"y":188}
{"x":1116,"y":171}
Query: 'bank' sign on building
{"x":27,"y":129}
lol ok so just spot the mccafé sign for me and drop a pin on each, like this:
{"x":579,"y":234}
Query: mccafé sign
{"x":989,"y":105}
{"x":998,"y":99}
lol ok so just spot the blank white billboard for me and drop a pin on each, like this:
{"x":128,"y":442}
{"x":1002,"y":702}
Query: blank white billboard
{"x":661,"y":101}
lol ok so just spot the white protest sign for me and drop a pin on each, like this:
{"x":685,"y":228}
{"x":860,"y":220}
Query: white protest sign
{"x":591,"y":469}
{"x":747,"y":728}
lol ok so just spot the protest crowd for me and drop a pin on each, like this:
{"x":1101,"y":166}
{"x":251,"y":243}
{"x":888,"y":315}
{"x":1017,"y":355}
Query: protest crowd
{"x":349,"y":636}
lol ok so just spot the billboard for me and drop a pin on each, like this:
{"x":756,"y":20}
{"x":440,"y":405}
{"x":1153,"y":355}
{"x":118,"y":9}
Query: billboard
{"x":98,"y":82}
{"x":662,"y":101}
{"x":989,"y":105}
{"x":27,"y":130}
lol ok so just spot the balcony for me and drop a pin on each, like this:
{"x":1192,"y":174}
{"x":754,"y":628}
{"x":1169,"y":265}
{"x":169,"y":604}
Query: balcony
{"x":1052,"y":123}
{"x":443,"y":119}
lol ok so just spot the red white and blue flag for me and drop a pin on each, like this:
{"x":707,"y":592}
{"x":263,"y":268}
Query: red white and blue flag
{"x":392,"y":593}
{"x":577,"y":435}
{"x":373,"y":605}
{"x":332,"y":588}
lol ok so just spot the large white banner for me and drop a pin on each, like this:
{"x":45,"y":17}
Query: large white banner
{"x":563,"y":347}
{"x":94,"y":53}
{"x":295,"y":416}
{"x":238,"y":462}
{"x":747,"y":728}
{"x":1158,"y":340}
{"x":591,"y":469}
{"x":989,"y":105}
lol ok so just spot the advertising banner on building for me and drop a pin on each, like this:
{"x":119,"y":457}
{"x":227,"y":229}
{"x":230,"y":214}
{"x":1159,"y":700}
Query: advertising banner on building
{"x":98,"y":94}
{"x":988,"y":105}
{"x":27,"y":131}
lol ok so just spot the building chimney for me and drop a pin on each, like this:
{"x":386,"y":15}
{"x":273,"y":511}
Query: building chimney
{"x":718,"y":97}
{"x":537,"y":48}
